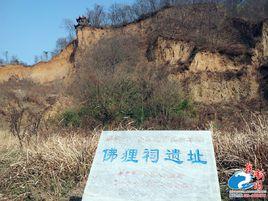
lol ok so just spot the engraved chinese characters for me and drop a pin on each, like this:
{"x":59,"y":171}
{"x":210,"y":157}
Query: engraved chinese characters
{"x":153,"y":165}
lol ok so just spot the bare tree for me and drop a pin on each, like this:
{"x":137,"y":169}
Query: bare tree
{"x":165,"y":3}
{"x":15,"y":121}
{"x":121,"y":14}
{"x":114,"y":51}
{"x":96,"y":17}
{"x":6,"y":56}
{"x":36,"y":59}
{"x":61,"y":43}
{"x":2,"y":61}
{"x":231,"y":7}
{"x":25,"y":123}
{"x":154,"y":5}
{"x":23,"y":107}
{"x":140,"y":8}
{"x":45,"y":55}
{"x":253,"y":10}
{"x":14,"y":60}
{"x":68,"y":25}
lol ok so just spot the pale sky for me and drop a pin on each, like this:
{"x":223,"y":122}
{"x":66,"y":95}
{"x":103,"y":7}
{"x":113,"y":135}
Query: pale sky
{"x":29,"y":27}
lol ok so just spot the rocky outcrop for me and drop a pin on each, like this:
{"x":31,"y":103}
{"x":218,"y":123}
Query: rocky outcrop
{"x":172,"y":52}
{"x":210,"y":77}
{"x":87,"y":37}
{"x":218,"y":89}
{"x":212,"y":62}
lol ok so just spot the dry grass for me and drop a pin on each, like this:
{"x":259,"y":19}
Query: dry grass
{"x":52,"y":168}
{"x":47,"y":170}
{"x":234,"y":149}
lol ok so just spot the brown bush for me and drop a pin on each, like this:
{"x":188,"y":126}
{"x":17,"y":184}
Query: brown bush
{"x":24,"y":105}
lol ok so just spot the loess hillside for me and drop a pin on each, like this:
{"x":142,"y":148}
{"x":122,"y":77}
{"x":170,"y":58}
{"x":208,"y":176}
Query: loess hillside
{"x":181,"y":68}
{"x":215,"y":60}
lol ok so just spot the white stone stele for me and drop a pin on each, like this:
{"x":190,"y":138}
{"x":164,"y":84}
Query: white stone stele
{"x":161,"y":181}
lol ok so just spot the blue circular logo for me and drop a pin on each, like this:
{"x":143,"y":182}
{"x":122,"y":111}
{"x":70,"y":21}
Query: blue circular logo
{"x":240,"y":181}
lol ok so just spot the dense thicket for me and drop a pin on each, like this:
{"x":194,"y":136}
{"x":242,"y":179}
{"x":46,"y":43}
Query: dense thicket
{"x":121,"y":14}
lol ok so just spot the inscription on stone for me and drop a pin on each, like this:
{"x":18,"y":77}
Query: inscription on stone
{"x":153,"y":166}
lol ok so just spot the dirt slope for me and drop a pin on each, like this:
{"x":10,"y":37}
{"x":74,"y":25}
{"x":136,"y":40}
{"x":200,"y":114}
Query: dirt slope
{"x":227,"y":72}
{"x":220,"y":67}
{"x":58,"y":68}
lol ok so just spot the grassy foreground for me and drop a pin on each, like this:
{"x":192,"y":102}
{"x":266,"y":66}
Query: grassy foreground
{"x":56,"y":167}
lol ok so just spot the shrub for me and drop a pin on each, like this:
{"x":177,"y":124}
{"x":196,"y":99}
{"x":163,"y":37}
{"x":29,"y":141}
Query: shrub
{"x":265,"y":93}
{"x":115,"y":51}
{"x":120,"y":86}
{"x":71,"y":118}
{"x":121,"y":98}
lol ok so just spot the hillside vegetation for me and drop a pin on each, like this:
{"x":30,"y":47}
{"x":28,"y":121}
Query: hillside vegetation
{"x":174,"y":65}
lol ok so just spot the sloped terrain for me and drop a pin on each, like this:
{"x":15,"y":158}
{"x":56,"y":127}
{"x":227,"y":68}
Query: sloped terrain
{"x":224,"y":63}
{"x":58,"y":68}
{"x":215,"y":60}
{"x":180,"y":68}
{"x":230,"y":54}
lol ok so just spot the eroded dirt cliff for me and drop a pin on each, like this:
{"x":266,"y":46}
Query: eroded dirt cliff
{"x":58,"y":68}
{"x":231,"y":70}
